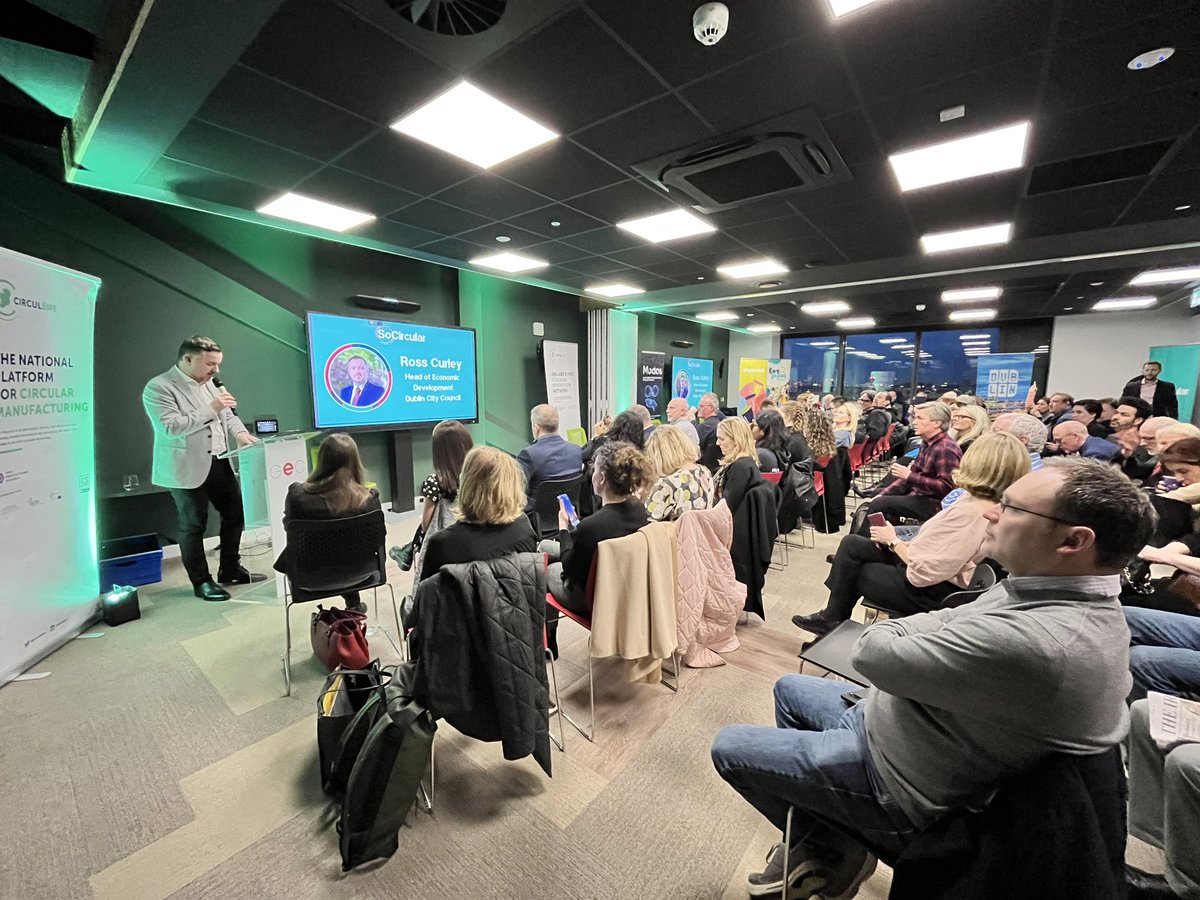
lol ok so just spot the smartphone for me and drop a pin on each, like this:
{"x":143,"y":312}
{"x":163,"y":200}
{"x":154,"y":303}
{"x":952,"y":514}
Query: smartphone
{"x":569,"y":508}
{"x":877,"y":520}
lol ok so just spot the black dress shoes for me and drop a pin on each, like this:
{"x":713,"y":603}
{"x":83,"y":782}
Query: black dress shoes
{"x":210,"y":590}
{"x":814,"y":624}
{"x":240,"y":575}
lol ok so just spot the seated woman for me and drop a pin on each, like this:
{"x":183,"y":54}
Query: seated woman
{"x":619,"y":473}
{"x":967,"y":423}
{"x":739,"y":462}
{"x":918,"y":576}
{"x":777,"y":446}
{"x":451,"y":443}
{"x":1087,"y":413}
{"x":845,"y":425}
{"x":491,"y":515}
{"x":628,"y":427}
{"x":336,"y":489}
{"x":682,"y":483}
{"x":830,"y":514}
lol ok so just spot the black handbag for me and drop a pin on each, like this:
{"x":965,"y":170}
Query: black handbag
{"x":404,"y":555}
{"x":345,"y":693}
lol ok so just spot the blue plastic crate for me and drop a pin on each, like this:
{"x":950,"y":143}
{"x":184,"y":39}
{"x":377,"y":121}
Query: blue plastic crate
{"x":130,"y":561}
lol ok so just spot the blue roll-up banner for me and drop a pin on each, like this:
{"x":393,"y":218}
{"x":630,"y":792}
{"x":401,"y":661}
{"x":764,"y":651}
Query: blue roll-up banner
{"x":1003,"y":381}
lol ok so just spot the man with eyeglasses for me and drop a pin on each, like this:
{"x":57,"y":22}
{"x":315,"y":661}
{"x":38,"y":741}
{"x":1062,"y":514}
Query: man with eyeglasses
{"x":964,"y":698}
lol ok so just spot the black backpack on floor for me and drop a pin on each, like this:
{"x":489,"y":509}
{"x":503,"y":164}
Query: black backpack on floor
{"x":382,"y":757}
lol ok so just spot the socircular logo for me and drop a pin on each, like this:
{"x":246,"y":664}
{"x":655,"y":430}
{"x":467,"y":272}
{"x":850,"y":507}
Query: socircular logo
{"x":8,"y":291}
{"x":287,"y":470}
{"x":389,"y":335}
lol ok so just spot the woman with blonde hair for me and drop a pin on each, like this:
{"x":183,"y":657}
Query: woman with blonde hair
{"x":967,"y":423}
{"x":907,"y":578}
{"x":336,"y":489}
{"x":845,"y":424}
{"x":739,"y":462}
{"x":682,"y":483}
{"x":491,"y":514}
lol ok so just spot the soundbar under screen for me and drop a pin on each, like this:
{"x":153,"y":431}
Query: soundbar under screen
{"x":374,"y":374}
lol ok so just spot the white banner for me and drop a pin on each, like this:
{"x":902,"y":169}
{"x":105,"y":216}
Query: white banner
{"x":49,"y":587}
{"x":562,"y":382}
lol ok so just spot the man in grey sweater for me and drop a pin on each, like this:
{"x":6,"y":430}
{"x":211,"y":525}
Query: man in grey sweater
{"x":963,"y":698}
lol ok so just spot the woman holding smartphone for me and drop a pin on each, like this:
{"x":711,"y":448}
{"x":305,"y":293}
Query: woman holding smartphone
{"x":619,"y":472}
{"x":917,"y":576}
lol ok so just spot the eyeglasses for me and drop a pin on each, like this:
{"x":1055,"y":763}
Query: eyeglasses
{"x":1005,"y":505}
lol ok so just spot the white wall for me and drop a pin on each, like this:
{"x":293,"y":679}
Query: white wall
{"x":1094,"y":355}
{"x":746,"y":346}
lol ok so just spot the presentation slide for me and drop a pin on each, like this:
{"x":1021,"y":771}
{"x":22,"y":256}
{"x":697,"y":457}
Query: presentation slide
{"x":691,"y":378}
{"x":372,"y":374}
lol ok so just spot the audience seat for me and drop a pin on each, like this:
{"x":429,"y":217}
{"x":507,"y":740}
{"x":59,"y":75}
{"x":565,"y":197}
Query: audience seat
{"x":544,"y":515}
{"x":577,"y":436}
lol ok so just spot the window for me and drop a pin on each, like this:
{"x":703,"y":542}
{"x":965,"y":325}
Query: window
{"x":879,"y":362}
{"x":814,"y":363}
{"x":948,"y":359}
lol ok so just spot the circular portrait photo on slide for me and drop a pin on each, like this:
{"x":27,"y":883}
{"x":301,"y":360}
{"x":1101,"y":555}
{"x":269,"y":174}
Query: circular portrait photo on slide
{"x":357,"y":377}
{"x":683,"y":384}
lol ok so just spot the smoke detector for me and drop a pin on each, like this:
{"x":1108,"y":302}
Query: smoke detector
{"x":710,"y":22}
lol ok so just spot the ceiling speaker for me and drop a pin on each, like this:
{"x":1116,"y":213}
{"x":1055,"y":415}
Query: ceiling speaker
{"x":385,"y":304}
{"x":682,"y":344}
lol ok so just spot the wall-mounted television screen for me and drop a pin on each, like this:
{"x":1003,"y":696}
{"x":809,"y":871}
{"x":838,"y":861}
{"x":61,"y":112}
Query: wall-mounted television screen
{"x":372,"y":374}
{"x":691,"y":378}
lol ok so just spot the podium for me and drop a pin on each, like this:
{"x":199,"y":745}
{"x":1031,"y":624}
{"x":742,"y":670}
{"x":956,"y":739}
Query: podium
{"x":266,"y":470}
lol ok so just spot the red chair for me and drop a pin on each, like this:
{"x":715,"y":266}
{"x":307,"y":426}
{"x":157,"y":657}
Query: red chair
{"x":855,"y":453}
{"x":773,"y":477}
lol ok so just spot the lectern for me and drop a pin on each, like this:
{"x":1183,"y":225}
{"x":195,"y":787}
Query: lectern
{"x":265,"y":470}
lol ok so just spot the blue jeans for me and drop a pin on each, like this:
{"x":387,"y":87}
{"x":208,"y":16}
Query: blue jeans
{"x":817,"y":760}
{"x":1164,"y":653}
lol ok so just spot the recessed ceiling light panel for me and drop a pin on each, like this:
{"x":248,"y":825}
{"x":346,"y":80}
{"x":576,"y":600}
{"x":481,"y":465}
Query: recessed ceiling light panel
{"x":892,"y":340}
{"x":299,"y":208}
{"x":763,"y":329}
{"x":668,"y":226}
{"x":1168,"y":276}
{"x":509,"y":262}
{"x":969,"y":295}
{"x":826,"y":308}
{"x":752,"y":269}
{"x":983,"y":236}
{"x":972,"y":315}
{"x":856,"y":322}
{"x":998,"y":150}
{"x":1114,"y":303}
{"x":614,"y":290}
{"x":717,"y":317}
{"x":475,"y":126}
{"x":841,"y":7}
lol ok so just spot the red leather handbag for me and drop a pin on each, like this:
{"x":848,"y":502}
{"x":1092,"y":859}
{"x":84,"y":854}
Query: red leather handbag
{"x":339,"y":638}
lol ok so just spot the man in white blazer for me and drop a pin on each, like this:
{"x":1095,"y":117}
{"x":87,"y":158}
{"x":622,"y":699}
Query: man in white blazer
{"x":193,"y":422}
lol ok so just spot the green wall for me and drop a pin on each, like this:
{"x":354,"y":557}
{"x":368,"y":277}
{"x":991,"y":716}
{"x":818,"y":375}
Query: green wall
{"x":511,"y":377}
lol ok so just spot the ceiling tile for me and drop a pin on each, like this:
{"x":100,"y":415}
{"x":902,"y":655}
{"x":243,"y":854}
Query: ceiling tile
{"x":555,"y":252}
{"x":595,"y":265}
{"x":204,"y":184}
{"x":398,"y":160}
{"x":645,"y":131}
{"x":486,"y":236}
{"x":567,"y":75}
{"x":257,"y":106}
{"x":453,"y":248}
{"x":438,"y":217}
{"x":404,"y":236}
{"x":241,"y":157}
{"x":627,"y":200}
{"x":326,"y":50}
{"x":347,"y":189}
{"x":644,"y":255}
{"x":1167,"y":191}
{"x":490,"y":196}
{"x":560,"y":170}
{"x":570,"y":222}
{"x":604,"y":240}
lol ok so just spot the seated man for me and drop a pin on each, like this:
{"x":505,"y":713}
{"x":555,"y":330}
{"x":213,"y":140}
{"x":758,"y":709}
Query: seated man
{"x":1072,"y":439}
{"x":963,"y":698}
{"x":677,"y":415}
{"x":1164,"y":653}
{"x":551,"y":456}
{"x":1027,"y":429}
{"x":917,"y":491}
{"x":1131,"y":413}
{"x":708,"y":417}
{"x":1164,"y":809}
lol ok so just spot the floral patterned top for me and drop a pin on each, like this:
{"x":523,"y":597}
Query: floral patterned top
{"x":431,"y":489}
{"x":690,"y":487}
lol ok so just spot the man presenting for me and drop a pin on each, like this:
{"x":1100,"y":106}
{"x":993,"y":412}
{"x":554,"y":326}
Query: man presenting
{"x":193,"y":421}
{"x":963,"y":698}
{"x":1159,"y":394}
{"x":360,"y":392}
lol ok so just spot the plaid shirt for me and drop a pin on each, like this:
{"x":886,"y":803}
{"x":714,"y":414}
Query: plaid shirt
{"x":931,"y":470}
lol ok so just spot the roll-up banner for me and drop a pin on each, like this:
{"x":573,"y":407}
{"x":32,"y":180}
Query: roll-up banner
{"x":1003,"y":380}
{"x":651,"y":369}
{"x":49,"y":588}
{"x":562,"y":382}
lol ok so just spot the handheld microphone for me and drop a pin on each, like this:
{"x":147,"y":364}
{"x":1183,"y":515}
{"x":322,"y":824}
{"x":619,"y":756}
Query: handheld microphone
{"x":219,"y":385}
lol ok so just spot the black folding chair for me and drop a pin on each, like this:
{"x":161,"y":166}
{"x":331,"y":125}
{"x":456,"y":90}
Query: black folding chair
{"x":329,"y":557}
{"x":983,"y":579}
{"x":544,"y":515}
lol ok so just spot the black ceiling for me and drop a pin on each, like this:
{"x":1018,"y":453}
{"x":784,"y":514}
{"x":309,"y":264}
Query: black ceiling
{"x":302,"y":100}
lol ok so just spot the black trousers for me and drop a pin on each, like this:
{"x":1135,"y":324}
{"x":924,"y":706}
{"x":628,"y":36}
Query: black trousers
{"x":222,"y":491}
{"x":897,"y":506}
{"x":864,"y":569}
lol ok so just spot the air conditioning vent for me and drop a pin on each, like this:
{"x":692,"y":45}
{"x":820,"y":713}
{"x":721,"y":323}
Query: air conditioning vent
{"x":451,"y":17}
{"x":786,"y":155}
